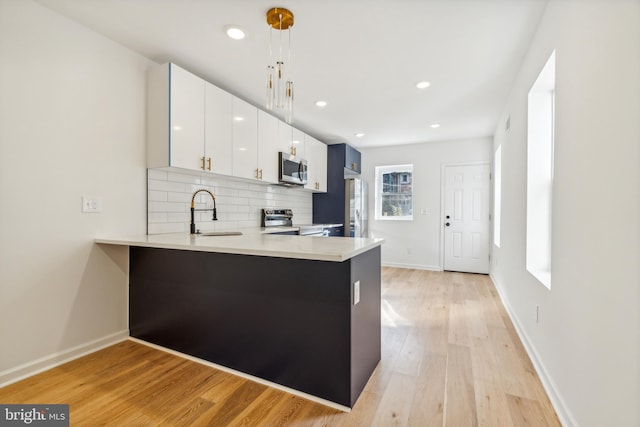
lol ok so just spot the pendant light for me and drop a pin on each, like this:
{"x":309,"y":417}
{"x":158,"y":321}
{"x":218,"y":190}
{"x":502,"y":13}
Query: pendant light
{"x":279,"y":86}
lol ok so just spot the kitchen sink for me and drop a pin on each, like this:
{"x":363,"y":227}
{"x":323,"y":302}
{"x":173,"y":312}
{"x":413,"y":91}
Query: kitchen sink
{"x":220,"y":233}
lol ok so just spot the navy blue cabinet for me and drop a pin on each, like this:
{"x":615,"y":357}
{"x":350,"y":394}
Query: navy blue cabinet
{"x":329,"y":207}
{"x":352,"y":159}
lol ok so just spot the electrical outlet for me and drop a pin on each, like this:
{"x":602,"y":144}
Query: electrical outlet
{"x":356,"y":292}
{"x":91,"y":204}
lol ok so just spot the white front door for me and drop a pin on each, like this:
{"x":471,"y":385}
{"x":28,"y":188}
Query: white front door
{"x":466,"y":218}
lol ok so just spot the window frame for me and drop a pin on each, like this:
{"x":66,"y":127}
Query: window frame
{"x":404,"y":170}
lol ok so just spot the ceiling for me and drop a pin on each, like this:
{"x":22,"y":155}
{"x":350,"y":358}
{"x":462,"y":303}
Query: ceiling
{"x":363,"y":57}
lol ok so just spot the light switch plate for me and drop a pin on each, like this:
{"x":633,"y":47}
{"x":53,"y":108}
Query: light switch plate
{"x":91,"y":204}
{"x":356,"y":292}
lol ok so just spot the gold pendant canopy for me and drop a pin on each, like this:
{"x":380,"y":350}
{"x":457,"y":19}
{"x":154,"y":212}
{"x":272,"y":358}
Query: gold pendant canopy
{"x":280,"y":18}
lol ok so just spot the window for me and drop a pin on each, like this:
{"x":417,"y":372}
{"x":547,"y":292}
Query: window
{"x":394,"y":192}
{"x":540,"y":140}
{"x":497,"y":194}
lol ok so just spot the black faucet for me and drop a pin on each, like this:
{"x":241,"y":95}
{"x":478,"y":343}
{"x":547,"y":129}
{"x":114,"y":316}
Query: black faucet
{"x":193,"y":209}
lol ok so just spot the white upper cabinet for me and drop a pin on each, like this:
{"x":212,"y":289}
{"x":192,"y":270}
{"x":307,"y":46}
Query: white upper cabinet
{"x":218,"y":130}
{"x":290,"y":140}
{"x":175,"y":117}
{"x":316,"y":154}
{"x":245,"y":139}
{"x":267,"y":147}
{"x":188,"y":122}
{"x":298,"y":143}
{"x":192,"y":124}
{"x":285,"y":136}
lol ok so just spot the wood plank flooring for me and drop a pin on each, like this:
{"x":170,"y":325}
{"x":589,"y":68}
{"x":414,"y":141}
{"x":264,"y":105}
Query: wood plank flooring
{"x":450,"y":357}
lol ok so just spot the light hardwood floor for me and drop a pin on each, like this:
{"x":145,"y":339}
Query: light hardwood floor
{"x":450,"y":357}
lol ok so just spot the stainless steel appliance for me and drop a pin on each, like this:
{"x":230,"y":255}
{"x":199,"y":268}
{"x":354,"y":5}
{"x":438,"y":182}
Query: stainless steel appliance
{"x":276,"y":218}
{"x":313,"y":230}
{"x":356,"y":208}
{"x":292,"y":170}
{"x":284,"y":218}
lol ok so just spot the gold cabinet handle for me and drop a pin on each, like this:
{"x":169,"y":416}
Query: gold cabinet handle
{"x":209,"y":163}
{"x":202,"y":159}
{"x":354,"y":166}
{"x":256,"y":174}
{"x":260,"y":173}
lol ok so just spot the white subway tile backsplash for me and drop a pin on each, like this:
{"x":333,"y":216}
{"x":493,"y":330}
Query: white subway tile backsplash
{"x":157,"y":217}
{"x":167,"y":227}
{"x":157,"y":174}
{"x":239,"y":202}
{"x":179,"y":177}
{"x":156,"y":207}
{"x":157,"y":196}
{"x":157,"y":185}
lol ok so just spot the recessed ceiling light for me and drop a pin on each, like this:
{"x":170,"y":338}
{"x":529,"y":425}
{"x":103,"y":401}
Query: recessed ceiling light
{"x":234,"y":32}
{"x":435,"y":125}
{"x":359,"y":135}
{"x":238,"y":118}
{"x":423,"y":85}
{"x":321,"y":104}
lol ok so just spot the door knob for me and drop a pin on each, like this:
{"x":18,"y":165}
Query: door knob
{"x":448,"y":217}
{"x":447,"y":224}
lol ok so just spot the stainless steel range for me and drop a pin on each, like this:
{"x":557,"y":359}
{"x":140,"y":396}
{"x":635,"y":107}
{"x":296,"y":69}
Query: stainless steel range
{"x":284,"y":218}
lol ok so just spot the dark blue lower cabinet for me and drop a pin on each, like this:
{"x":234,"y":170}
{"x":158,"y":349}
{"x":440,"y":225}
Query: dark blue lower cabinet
{"x":288,"y":321}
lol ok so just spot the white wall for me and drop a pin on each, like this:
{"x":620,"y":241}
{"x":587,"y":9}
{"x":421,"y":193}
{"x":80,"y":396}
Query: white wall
{"x":72,"y":115}
{"x":587,"y":340}
{"x":416,"y":243}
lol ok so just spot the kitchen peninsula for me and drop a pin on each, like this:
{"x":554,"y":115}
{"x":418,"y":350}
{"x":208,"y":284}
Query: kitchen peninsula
{"x":302,"y":312}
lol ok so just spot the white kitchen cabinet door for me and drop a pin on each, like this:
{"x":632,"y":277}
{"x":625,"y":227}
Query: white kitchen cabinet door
{"x":267,"y":147}
{"x":285,"y":136}
{"x":187,"y":119}
{"x":298,"y":143}
{"x":245,"y":140}
{"x":175,"y":118}
{"x":218,"y":130}
{"x":316,"y":156}
{"x":320,"y":161}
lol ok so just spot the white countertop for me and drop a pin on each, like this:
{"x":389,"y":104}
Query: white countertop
{"x":256,"y":242}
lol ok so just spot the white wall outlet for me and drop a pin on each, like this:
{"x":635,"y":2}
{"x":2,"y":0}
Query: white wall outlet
{"x":91,"y":204}
{"x":424,"y":211}
{"x":356,"y":292}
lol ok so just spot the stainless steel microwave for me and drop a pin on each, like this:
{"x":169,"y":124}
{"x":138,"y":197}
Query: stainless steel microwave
{"x":292,"y":170}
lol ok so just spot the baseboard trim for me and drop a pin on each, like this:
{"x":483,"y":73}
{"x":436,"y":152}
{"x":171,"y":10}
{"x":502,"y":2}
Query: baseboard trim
{"x":563,"y":412}
{"x":412,"y":266}
{"x":29,"y":369}
{"x":245,"y":376}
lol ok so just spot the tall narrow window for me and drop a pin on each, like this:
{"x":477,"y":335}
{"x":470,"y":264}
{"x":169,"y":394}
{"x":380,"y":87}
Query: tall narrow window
{"x":540,"y":136}
{"x":497,"y":194}
{"x":394,"y":192}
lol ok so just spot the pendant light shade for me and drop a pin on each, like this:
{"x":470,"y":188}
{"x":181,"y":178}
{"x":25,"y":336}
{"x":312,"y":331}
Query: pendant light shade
{"x":279,"y":86}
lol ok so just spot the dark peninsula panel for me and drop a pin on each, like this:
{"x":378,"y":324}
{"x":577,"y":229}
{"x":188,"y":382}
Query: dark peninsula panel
{"x":288,"y":321}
